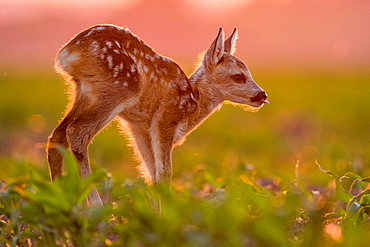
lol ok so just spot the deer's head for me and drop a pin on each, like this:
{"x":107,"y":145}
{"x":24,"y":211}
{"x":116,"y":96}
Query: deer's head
{"x":227,"y":76}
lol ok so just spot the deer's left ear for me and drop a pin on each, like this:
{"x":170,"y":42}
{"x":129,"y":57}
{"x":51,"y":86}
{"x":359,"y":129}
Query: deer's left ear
{"x":215,"y":51}
{"x":230,"y":43}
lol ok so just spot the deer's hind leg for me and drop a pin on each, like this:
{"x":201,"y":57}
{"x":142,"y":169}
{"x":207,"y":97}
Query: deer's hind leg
{"x":83,"y":129}
{"x":58,"y":138}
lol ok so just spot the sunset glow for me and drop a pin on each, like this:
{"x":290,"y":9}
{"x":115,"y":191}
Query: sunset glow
{"x":271,"y":31}
{"x":219,"y":4}
{"x":80,"y":3}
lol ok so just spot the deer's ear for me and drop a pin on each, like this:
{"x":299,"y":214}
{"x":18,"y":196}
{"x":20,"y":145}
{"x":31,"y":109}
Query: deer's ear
{"x":215,"y":51}
{"x":230,"y":43}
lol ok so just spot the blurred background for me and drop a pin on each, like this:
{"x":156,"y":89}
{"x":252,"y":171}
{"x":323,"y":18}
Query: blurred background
{"x":311,"y":56}
{"x":273,"y":33}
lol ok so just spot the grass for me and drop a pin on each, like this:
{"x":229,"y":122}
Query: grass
{"x":232,"y":210}
{"x":293,"y":174}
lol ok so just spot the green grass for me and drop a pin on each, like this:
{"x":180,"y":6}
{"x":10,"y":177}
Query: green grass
{"x":231,"y":210}
{"x":236,"y":182}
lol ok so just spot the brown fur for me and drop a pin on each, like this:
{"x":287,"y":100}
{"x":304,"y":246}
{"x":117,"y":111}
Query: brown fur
{"x":114,"y":74}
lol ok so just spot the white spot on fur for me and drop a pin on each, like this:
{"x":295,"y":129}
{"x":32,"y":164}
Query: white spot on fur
{"x":116,"y":82}
{"x":118,"y":44}
{"x":109,"y":44}
{"x":192,"y":96}
{"x":95,"y":48}
{"x":89,"y":33}
{"x":133,"y":68}
{"x":146,"y":69}
{"x":110,"y":61}
{"x":139,"y":65}
{"x":153,"y":76}
{"x":94,"y":29}
{"x":99,"y":28}
{"x":140,"y":68}
{"x":133,"y":57}
{"x":116,"y":71}
{"x":166,"y":59}
{"x":125,"y":84}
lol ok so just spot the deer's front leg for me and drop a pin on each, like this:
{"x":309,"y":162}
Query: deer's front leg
{"x":162,"y":135}
{"x":141,"y":142}
{"x":163,"y":161}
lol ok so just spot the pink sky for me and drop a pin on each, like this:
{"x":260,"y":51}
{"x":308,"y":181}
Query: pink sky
{"x":129,"y":3}
{"x":272,"y":33}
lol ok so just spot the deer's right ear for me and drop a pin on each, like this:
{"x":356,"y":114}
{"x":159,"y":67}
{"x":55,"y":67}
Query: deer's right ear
{"x":215,"y":51}
{"x":230,"y":42}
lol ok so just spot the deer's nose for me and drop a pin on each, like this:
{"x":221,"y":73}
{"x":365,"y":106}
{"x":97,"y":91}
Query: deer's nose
{"x":260,"y":96}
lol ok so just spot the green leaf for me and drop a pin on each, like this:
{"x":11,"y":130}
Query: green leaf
{"x":352,"y":209}
{"x":332,"y":174}
{"x":367,"y":180}
{"x":357,"y":180}
{"x":365,"y":200}
{"x":341,"y":193}
{"x":354,"y":206}
{"x":351,"y":175}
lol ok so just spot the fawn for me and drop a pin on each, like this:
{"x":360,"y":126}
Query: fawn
{"x":113,"y":74}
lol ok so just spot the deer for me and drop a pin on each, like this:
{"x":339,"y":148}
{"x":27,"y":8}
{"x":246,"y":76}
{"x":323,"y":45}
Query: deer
{"x":113,"y":74}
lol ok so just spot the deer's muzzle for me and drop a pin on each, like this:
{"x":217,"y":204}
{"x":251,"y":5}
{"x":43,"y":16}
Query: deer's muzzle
{"x":260,"y":97}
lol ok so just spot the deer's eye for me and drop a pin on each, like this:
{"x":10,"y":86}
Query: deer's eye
{"x":239,"y":78}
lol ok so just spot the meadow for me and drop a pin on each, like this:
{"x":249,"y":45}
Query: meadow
{"x":295,"y":173}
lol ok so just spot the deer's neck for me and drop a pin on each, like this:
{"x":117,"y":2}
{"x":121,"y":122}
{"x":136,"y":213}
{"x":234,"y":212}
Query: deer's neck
{"x":208,"y":101}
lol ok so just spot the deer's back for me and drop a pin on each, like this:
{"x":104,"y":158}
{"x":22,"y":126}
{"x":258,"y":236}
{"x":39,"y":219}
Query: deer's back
{"x":112,"y":59}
